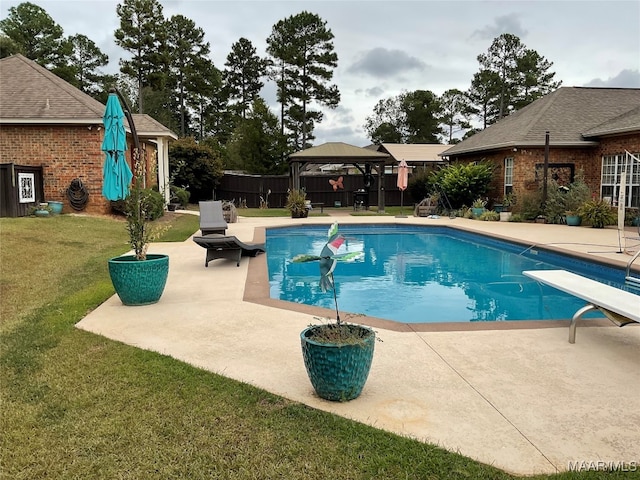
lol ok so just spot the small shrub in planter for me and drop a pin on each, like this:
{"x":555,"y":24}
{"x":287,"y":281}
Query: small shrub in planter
{"x":489,"y":216}
{"x":598,"y":213}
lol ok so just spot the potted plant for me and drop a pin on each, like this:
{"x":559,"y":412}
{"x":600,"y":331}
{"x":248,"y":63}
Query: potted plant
{"x":297,"y":203}
{"x":477,"y":207}
{"x":139,"y":279}
{"x":337,"y":356}
{"x":574,"y":196}
{"x":42,"y":210}
{"x":508,"y":202}
{"x":597,"y":213}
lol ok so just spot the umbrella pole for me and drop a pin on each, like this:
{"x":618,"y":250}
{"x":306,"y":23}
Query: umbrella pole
{"x":401,"y":205}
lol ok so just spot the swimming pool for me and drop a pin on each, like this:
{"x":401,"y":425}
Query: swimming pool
{"x":427,"y":274}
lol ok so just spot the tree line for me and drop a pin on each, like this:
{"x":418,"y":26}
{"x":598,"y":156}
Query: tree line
{"x":171,"y":77}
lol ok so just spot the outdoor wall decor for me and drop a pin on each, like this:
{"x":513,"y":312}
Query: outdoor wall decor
{"x":27,"y":191}
{"x":336,"y":183}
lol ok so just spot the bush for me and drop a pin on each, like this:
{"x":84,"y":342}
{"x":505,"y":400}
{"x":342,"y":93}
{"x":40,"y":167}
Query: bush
{"x":196,"y":165}
{"x":489,"y":216}
{"x":462,"y":184}
{"x":420,"y":186}
{"x":180,"y":195}
{"x":529,"y":205}
{"x":597,"y":213}
{"x":151,"y":200}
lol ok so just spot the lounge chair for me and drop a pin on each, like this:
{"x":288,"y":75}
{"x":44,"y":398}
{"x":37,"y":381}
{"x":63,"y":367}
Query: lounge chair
{"x":223,"y":246}
{"x":212,"y":218}
{"x":619,"y":306}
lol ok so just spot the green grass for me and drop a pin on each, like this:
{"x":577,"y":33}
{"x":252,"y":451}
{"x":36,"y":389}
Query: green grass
{"x":77,"y":405}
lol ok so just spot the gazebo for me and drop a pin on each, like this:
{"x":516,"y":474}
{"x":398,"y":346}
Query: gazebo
{"x":340,"y":153}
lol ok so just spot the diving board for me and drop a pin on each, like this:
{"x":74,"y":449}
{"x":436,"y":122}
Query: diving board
{"x":619,"y":306}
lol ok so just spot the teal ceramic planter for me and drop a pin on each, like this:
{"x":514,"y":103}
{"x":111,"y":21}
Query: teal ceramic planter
{"x":56,"y":207}
{"x":139,"y":282}
{"x":573,"y":220}
{"x":338,"y":372}
{"x":477,"y":211}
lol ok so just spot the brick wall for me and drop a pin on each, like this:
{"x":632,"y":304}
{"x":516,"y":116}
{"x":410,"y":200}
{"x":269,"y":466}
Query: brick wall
{"x":65,"y":153}
{"x":589,"y":159}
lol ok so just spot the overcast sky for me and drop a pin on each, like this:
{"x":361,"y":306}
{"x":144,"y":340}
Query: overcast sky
{"x":386,"y":47}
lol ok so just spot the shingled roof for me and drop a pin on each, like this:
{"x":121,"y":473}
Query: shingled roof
{"x":414,"y":152}
{"x":572,"y":115}
{"x":30,"y":93}
{"x":337,"y":151}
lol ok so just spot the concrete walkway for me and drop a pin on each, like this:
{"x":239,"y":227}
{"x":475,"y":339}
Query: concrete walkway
{"x":524,"y":400}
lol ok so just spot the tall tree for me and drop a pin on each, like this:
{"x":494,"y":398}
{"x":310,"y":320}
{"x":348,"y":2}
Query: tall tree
{"x":534,"y":78}
{"x":38,"y":37}
{"x":142,"y":33}
{"x":422,"y":113}
{"x":411,"y":117}
{"x":242,"y":77}
{"x":256,"y":145}
{"x":207,"y":99}
{"x":483,"y":93}
{"x":8,"y":46}
{"x":86,"y":59}
{"x":502,"y":58}
{"x":387,"y":124}
{"x":456,"y":113}
{"x":187,"y":50}
{"x":302,"y":50}
{"x":513,"y":77}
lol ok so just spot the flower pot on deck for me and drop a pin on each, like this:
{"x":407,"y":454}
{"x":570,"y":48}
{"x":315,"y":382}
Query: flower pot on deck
{"x":338,"y":371}
{"x":139,"y":282}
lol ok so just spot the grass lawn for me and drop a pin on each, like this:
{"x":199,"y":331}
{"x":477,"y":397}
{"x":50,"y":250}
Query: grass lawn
{"x":77,"y":405}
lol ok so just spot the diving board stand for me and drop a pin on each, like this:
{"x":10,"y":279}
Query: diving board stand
{"x":619,"y":306}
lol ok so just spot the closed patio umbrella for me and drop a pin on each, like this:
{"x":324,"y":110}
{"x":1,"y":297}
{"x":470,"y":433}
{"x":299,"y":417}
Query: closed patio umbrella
{"x":403,"y":182}
{"x":116,"y":172}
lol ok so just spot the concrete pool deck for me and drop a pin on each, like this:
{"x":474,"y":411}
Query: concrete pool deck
{"x":521,"y":399}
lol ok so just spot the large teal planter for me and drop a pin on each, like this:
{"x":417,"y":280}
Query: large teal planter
{"x":139,"y":282}
{"x":573,"y":220}
{"x":338,"y":372}
{"x":56,"y":207}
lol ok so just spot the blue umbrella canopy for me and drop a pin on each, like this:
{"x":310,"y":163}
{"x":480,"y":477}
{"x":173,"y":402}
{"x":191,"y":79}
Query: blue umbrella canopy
{"x":116,"y":172}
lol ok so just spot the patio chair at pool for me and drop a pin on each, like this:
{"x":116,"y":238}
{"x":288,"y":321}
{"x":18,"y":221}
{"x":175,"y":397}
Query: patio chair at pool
{"x":212,"y":218}
{"x":223,"y":246}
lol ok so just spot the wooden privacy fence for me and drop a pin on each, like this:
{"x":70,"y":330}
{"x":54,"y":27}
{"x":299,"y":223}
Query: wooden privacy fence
{"x":250,"y":189}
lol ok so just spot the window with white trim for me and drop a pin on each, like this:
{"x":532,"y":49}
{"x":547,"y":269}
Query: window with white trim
{"x":508,"y":175}
{"x":612,"y":168}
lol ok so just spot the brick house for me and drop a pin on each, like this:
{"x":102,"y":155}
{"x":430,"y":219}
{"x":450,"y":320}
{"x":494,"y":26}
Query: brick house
{"x":591,"y":129}
{"x":54,"y":131}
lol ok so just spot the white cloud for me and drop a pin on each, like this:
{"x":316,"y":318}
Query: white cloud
{"x":624,"y":79}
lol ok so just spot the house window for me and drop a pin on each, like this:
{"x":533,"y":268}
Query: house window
{"x":508,"y":175}
{"x":612,"y":167}
{"x":26,"y":187}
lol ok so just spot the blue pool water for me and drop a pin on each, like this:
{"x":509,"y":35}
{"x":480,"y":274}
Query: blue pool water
{"x":419,"y":274}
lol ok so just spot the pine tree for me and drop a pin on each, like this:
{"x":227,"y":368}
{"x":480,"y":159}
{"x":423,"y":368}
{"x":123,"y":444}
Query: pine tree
{"x":187,"y":49}
{"x":303,"y":60}
{"x":242,"y":77}
{"x":142,"y":33}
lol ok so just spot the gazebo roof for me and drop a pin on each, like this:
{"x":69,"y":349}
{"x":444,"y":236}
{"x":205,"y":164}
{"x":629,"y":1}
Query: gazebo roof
{"x":337,"y":152}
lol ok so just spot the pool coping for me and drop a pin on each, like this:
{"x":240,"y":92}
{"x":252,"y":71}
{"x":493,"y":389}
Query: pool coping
{"x":257,"y":290}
